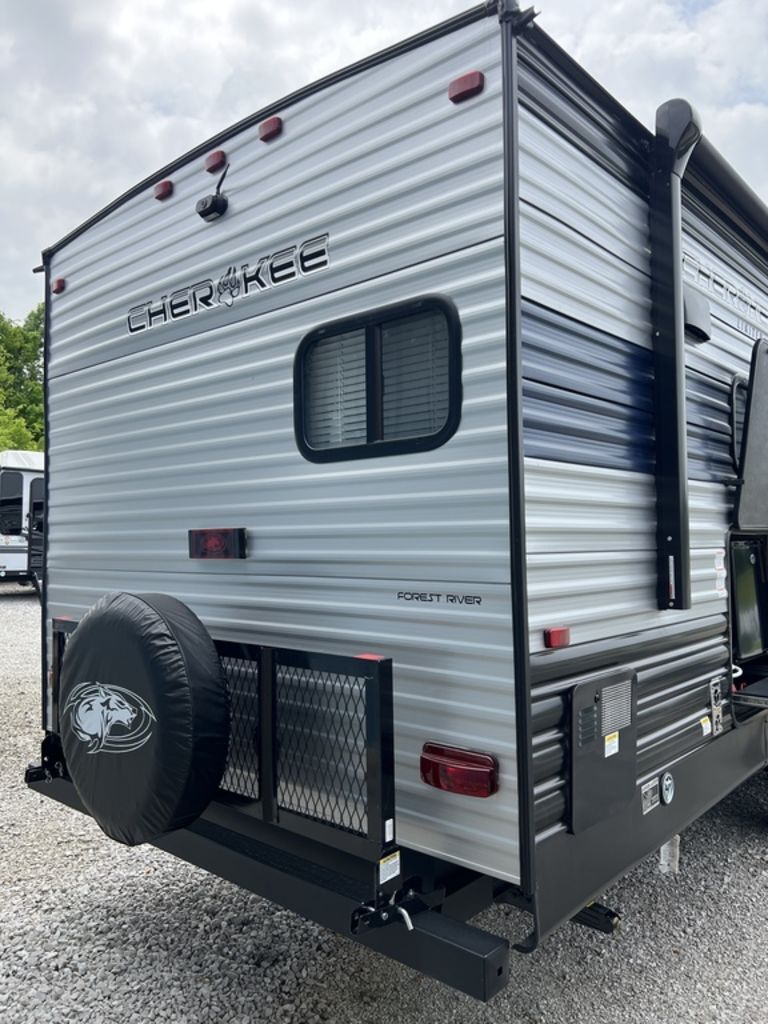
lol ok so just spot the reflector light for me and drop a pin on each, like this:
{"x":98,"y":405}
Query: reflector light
{"x":557,"y":636}
{"x":215,"y":161}
{"x":58,"y":286}
{"x":163,"y":189}
{"x":270,"y":128}
{"x":465,"y":772}
{"x":466,"y":86}
{"x":367,"y":656}
{"x":222,"y":543}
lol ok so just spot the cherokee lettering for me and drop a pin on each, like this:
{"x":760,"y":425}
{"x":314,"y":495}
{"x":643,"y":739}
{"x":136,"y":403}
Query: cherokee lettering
{"x":232,"y":285}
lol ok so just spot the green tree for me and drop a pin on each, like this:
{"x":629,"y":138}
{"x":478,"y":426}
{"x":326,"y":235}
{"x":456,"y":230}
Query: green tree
{"x":21,"y":381}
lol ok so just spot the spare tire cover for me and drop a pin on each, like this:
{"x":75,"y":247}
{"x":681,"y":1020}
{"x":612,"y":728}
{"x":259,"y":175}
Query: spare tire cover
{"x":144,"y":715}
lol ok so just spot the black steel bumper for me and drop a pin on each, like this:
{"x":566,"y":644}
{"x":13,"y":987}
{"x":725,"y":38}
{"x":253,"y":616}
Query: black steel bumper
{"x":440,"y":946}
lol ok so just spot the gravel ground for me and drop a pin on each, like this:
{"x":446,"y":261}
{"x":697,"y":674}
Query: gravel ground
{"x":92,"y":931}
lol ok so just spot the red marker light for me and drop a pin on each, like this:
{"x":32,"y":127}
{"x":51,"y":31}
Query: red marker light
{"x":225,"y":543}
{"x":270,"y":128}
{"x":557,"y":636}
{"x":58,"y":286}
{"x":163,"y":190}
{"x":465,"y":772}
{"x":466,"y":86}
{"x":215,"y":161}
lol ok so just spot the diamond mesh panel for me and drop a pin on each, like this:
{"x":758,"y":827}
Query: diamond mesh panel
{"x":241,"y":775}
{"x":322,"y":749}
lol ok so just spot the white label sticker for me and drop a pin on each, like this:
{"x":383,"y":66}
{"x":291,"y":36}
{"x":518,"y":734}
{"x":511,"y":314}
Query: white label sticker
{"x":389,"y":867}
{"x":650,"y":795}
{"x":611,"y":744}
{"x":706,"y":725}
{"x":389,"y":830}
{"x":720,"y":560}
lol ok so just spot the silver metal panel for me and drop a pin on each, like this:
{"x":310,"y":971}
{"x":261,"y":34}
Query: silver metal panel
{"x":739,"y":305}
{"x":584,"y":237}
{"x":452,"y":674}
{"x":564,"y":271}
{"x":382,"y":161}
{"x":592,"y":556}
{"x":559,"y":179}
{"x":198,"y":431}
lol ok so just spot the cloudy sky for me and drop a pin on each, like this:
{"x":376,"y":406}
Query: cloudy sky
{"x":96,"y":96}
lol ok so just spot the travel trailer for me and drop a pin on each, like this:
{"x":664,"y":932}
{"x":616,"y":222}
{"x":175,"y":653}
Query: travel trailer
{"x":22,"y":488}
{"x":407,"y":526}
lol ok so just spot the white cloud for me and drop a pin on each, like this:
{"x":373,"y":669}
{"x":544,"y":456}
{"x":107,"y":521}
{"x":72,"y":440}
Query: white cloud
{"x":97,"y":96}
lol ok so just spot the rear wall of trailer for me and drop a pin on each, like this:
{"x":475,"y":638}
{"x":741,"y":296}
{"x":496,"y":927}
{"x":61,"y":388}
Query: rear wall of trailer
{"x":191,"y":423}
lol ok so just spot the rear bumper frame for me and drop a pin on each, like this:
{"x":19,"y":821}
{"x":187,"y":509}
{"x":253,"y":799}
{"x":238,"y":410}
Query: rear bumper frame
{"x":441,"y":946}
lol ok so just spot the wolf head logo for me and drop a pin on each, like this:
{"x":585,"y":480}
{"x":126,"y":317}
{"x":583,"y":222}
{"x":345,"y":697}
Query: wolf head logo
{"x":109,"y":718}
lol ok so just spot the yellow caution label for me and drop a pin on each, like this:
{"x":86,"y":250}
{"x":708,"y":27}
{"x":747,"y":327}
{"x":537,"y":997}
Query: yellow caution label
{"x":389,"y":867}
{"x":611,"y":744}
{"x":706,"y":725}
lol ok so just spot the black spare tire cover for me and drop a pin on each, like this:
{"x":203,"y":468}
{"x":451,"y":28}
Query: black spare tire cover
{"x":144,"y":715}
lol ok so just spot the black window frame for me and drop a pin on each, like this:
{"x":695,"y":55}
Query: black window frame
{"x":371,"y":322}
{"x":13,"y":531}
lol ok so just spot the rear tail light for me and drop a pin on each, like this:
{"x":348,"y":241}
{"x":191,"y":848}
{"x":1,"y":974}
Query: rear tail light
{"x":164,"y":189}
{"x":465,"y":772}
{"x":58,"y":286}
{"x":224,"y":543}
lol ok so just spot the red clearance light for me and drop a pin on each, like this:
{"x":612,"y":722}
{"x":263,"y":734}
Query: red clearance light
{"x":228,"y":543}
{"x":367,"y":656}
{"x":58,"y":286}
{"x":270,"y":128}
{"x":163,"y":190}
{"x":465,"y":772}
{"x":557,"y":636}
{"x":215,"y":161}
{"x":466,"y":86}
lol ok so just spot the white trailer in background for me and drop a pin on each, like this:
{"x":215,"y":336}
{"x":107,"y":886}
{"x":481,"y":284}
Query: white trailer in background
{"x":22,"y":487}
{"x":408,"y":414}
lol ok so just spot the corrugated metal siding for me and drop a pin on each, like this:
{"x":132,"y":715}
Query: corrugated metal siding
{"x":591,"y":551}
{"x":382,"y":160}
{"x":587,"y":395}
{"x":198,"y":431}
{"x":710,"y":429}
{"x":737,"y":293}
{"x":589,"y":445}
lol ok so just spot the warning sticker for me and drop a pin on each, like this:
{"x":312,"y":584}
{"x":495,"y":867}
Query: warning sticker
{"x":389,"y":867}
{"x":706,"y":725}
{"x":611,"y":744}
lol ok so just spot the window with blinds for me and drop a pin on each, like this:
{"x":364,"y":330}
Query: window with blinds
{"x":382,"y":384}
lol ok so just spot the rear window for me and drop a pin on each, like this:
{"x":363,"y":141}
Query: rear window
{"x":384,"y":383}
{"x":11,"y":484}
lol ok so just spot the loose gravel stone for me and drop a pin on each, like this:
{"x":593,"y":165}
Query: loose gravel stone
{"x":94,"y":932}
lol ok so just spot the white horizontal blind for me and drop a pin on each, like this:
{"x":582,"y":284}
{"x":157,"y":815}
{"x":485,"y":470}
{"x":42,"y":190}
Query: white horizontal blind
{"x":334,"y":392}
{"x":415,"y":372}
